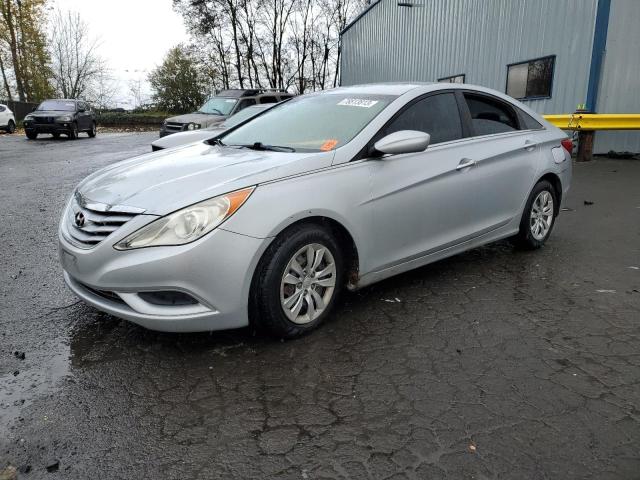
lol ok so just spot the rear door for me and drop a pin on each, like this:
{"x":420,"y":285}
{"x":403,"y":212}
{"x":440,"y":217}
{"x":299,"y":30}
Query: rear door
{"x":423,"y":202}
{"x":507,"y":156}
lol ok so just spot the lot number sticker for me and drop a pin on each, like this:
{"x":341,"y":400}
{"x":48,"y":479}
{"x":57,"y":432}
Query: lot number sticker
{"x":358,"y":102}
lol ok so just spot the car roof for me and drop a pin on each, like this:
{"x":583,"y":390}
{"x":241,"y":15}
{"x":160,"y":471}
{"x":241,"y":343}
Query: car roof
{"x":390,"y":88}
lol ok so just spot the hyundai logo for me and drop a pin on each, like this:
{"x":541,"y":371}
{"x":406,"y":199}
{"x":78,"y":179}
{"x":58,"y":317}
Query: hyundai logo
{"x":79,"y":218}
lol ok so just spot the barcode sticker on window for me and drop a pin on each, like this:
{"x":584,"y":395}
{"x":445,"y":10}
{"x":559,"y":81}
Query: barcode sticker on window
{"x":358,"y":102}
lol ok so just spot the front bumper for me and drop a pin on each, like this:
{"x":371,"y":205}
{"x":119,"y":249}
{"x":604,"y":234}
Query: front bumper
{"x":216,"y":271}
{"x":62,"y":127}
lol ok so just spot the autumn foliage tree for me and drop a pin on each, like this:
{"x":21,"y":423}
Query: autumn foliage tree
{"x":24,"y":60}
{"x":177,"y":84}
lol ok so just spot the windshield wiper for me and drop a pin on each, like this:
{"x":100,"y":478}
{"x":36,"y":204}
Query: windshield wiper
{"x":272,"y":148}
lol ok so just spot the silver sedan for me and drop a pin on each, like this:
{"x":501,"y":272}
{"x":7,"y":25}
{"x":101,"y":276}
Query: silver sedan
{"x":267,"y":223}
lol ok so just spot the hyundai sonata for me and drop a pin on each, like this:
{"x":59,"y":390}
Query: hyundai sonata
{"x":269,"y":221}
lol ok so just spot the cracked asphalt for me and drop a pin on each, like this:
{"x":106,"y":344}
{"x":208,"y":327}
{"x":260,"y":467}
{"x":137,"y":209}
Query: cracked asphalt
{"x":494,"y":364}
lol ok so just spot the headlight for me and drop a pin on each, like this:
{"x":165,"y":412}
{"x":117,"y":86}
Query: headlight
{"x":193,"y":126}
{"x":28,"y":117}
{"x":188,"y":224}
{"x":64,"y":118}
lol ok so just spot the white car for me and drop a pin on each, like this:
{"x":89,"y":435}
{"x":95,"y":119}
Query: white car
{"x":7,"y":119}
{"x":191,"y":136}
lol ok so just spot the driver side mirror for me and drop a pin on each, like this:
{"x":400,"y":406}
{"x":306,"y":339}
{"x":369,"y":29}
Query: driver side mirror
{"x":81,"y":109}
{"x":404,"y":141}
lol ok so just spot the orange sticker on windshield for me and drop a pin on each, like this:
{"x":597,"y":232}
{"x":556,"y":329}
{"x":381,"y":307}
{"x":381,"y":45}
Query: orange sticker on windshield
{"x":329,"y":145}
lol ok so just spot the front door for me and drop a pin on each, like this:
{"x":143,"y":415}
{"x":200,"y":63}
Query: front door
{"x":423,"y":202}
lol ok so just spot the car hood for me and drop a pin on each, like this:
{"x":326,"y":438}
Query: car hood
{"x":203,"y":119}
{"x":50,"y":113}
{"x":183,"y":138}
{"x":166,"y":181}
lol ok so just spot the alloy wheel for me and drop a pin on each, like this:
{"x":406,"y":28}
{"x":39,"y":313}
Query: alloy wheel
{"x":541,"y":217}
{"x":308,"y":283}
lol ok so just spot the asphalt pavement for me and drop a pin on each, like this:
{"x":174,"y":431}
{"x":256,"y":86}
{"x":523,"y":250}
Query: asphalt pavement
{"x":494,"y":364}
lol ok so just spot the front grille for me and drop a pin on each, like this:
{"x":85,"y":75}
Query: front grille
{"x":90,"y":223}
{"x":44,"y":119}
{"x":174,"y":127}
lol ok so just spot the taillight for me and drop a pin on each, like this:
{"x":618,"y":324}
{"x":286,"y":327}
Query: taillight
{"x":567,"y":143}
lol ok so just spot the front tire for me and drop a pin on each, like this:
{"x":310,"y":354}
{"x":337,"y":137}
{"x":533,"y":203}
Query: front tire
{"x":73,"y":133}
{"x":538,"y":217}
{"x":11,"y":127}
{"x":92,"y":133}
{"x":31,"y":135}
{"x":297,"y":281}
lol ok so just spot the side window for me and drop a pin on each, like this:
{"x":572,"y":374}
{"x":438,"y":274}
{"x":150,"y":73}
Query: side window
{"x":247,"y":102}
{"x":436,"y":115}
{"x":528,"y":122}
{"x":268,"y":99}
{"x":81,"y":105}
{"x":489,"y":116}
{"x":2,"y":109}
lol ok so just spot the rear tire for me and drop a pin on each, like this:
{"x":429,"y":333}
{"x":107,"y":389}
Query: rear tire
{"x":11,"y":127}
{"x":297,"y":281}
{"x":538,"y":217}
{"x":92,"y":133}
{"x":32,"y":135}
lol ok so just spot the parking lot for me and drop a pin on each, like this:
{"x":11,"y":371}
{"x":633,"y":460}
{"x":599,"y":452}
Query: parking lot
{"x":496,"y":363}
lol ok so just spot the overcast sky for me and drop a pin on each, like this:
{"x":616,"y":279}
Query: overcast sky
{"x":134,"y":34}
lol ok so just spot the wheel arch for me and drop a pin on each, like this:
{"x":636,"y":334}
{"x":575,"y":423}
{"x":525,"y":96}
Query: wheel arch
{"x":556,"y":183}
{"x":343,"y":235}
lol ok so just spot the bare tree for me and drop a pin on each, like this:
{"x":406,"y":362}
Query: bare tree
{"x":277,"y":43}
{"x":135,"y":89}
{"x":75,"y":60}
{"x":103,"y":90}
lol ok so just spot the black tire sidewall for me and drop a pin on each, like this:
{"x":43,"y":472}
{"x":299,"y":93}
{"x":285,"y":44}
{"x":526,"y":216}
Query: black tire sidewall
{"x":267,"y":312}
{"x":93,"y":131}
{"x":11,"y":127}
{"x":31,"y":135}
{"x":73,"y":133}
{"x":525,"y":238}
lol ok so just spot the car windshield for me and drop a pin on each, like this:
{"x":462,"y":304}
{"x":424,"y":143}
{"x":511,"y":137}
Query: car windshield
{"x":242,"y":115}
{"x":60,"y":105}
{"x":311,"y":123}
{"x":218,"y":106}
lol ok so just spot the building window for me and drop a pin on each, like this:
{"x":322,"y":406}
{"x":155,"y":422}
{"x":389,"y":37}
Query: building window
{"x":453,"y":79}
{"x":531,"y":79}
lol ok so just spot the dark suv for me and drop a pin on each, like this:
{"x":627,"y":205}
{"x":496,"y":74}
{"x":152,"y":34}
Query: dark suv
{"x":65,"y":116}
{"x":218,"y":108}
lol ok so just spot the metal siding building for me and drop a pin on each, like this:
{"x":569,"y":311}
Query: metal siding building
{"x":432,"y":39}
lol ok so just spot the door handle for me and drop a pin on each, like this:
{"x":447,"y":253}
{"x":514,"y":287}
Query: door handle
{"x":465,"y":163}
{"x":529,"y":145}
